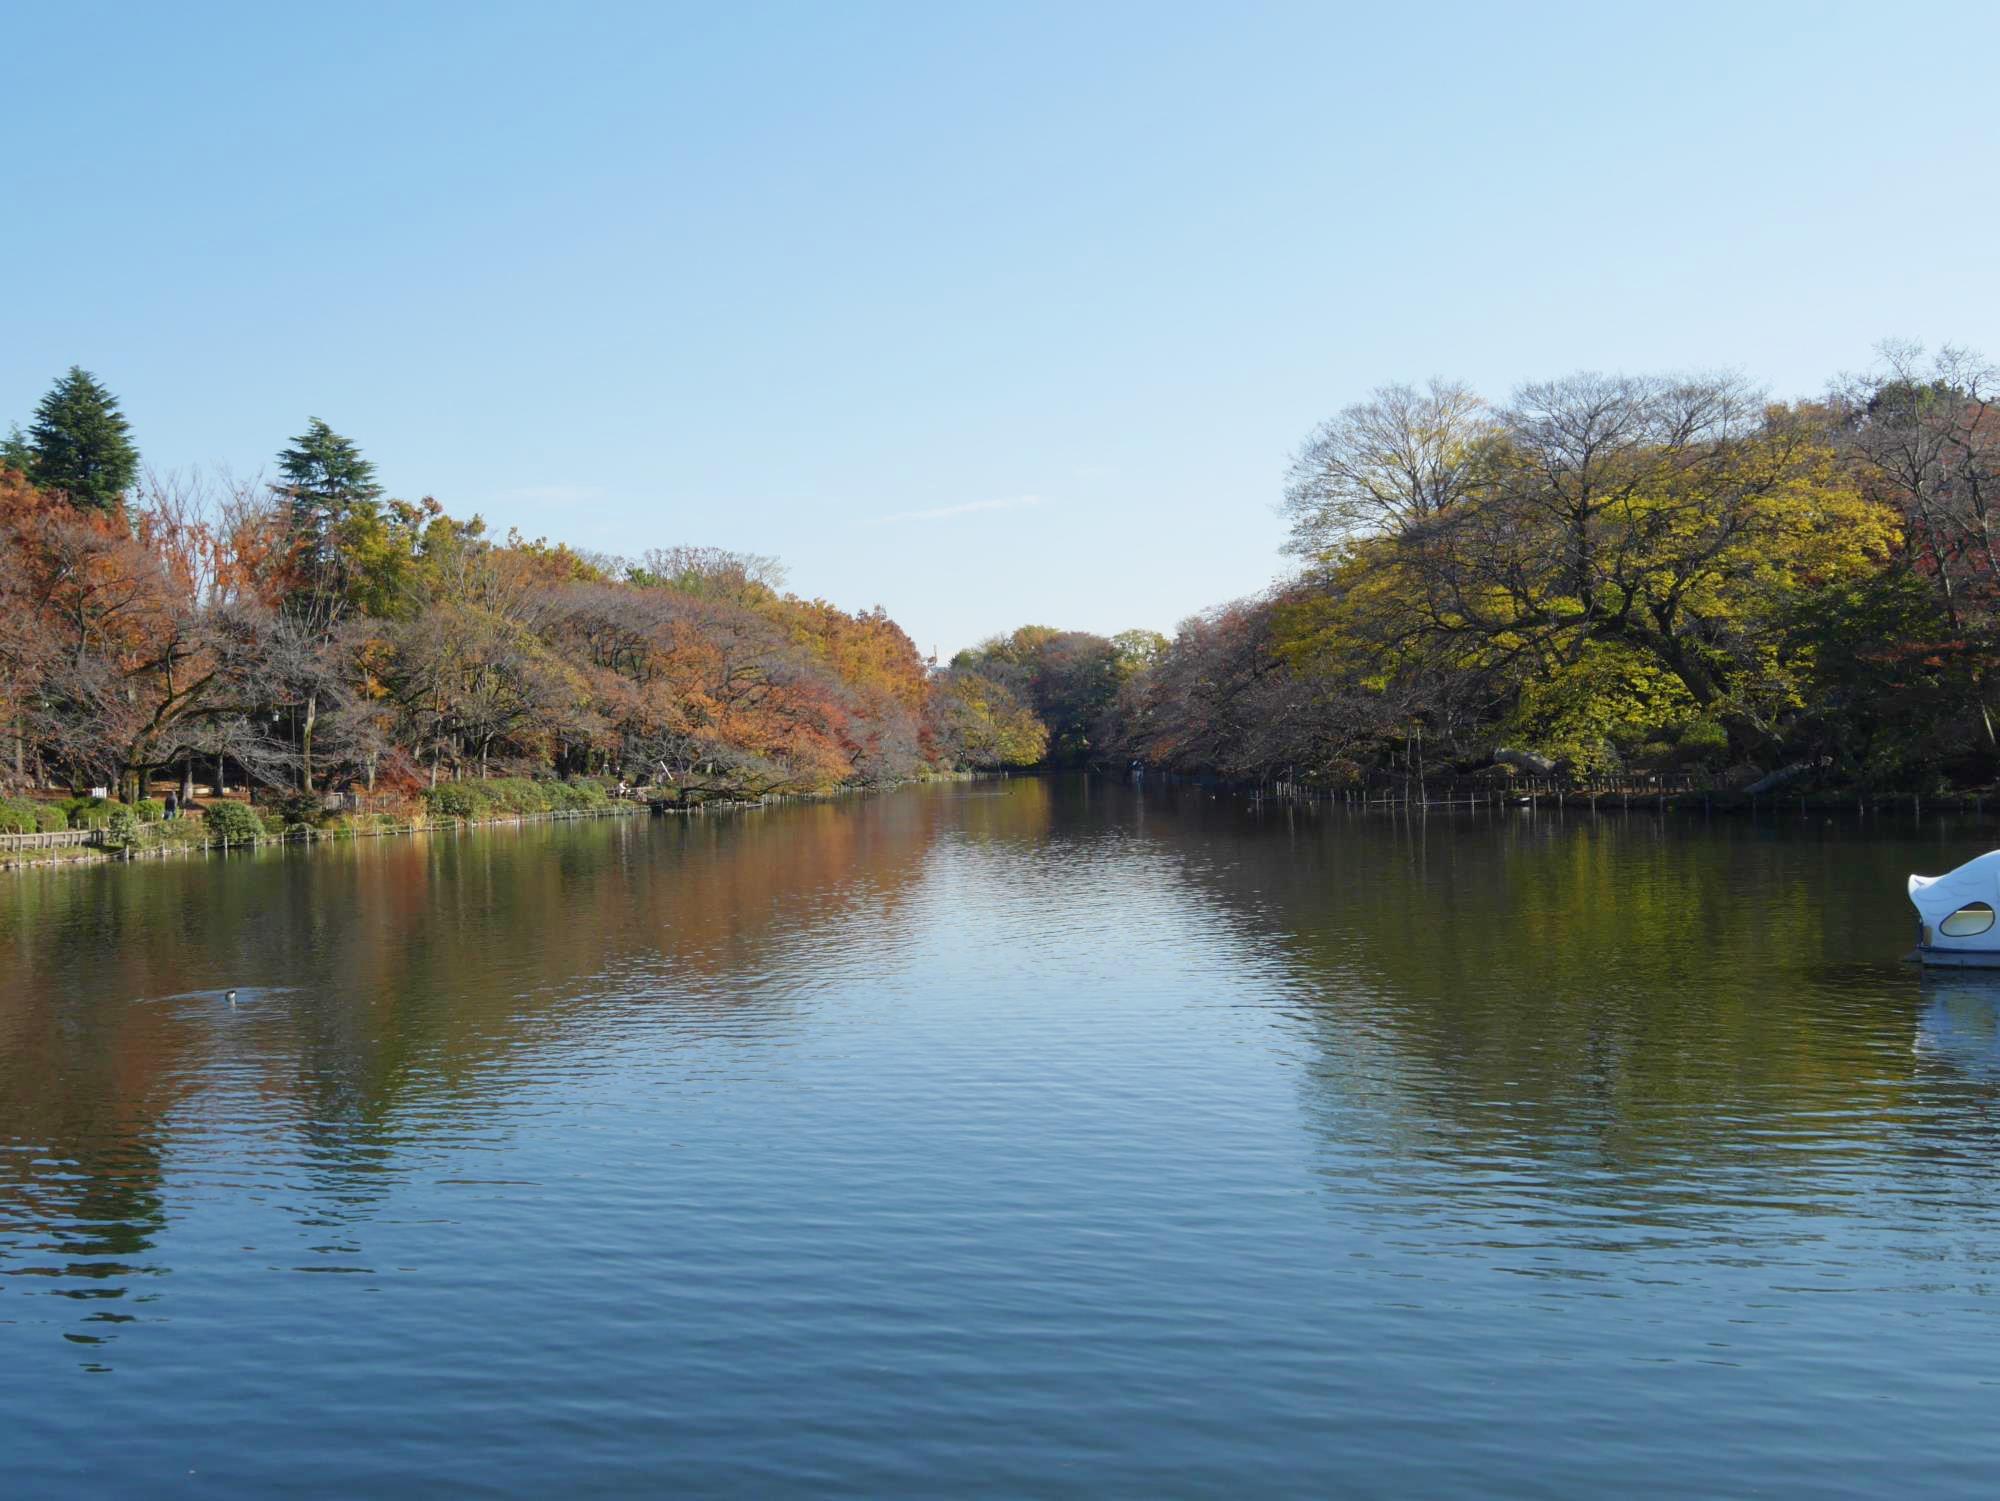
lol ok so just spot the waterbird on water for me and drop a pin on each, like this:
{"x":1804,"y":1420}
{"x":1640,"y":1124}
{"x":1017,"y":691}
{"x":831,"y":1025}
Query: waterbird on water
{"x":232,"y":998}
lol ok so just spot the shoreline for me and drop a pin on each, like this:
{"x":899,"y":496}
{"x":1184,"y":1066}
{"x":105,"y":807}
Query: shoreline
{"x":1726,"y":801}
{"x":78,"y":856}
{"x":81,"y":855}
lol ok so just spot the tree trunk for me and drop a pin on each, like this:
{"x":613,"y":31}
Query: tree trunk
{"x":306,"y":743}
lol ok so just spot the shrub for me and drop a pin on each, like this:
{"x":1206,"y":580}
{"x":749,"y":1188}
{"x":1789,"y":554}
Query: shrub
{"x":183,"y":831}
{"x":350,"y":825}
{"x":1703,"y":742}
{"x":577,"y":797}
{"x":1653,"y":755}
{"x":49,"y":818}
{"x":89,"y":813}
{"x":459,"y":800}
{"x":17,"y":817}
{"x":273,"y":820}
{"x":232,"y":823}
{"x":149,"y":810}
{"x":504,"y":795}
{"x":516,"y":795}
{"x":298,"y":811}
{"x":121,"y":828}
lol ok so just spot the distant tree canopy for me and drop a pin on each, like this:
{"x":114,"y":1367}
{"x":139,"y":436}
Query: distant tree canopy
{"x":316,"y":632}
{"x":78,"y":445}
{"x":1624,"y":574}
{"x":1068,"y":678}
{"x":1642,"y":575}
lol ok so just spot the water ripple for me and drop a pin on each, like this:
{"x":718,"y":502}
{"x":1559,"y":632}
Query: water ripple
{"x":1024,"y":1138}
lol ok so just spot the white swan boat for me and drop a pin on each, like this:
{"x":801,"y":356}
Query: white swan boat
{"x":1956,"y":914}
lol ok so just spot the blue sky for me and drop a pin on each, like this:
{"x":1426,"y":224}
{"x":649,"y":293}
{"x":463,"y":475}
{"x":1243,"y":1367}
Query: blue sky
{"x":985,"y":313}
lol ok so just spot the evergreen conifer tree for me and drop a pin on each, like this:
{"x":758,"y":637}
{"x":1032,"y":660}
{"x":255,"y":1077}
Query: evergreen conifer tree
{"x":325,"y":472}
{"x":335,"y":516}
{"x":79,"y":444}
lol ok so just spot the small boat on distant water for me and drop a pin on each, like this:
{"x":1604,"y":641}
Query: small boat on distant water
{"x":1956,"y":914}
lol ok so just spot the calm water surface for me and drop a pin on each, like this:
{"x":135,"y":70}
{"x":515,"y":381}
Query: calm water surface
{"x":1019,"y":1138}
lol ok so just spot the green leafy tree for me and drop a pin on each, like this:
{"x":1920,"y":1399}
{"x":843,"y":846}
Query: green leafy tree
{"x":1069,"y":678}
{"x":981,"y":722}
{"x":350,"y":549}
{"x":79,"y":444}
{"x":1138,"y":650}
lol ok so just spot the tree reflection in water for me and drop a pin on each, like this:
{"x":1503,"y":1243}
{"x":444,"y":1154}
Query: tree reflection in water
{"x":426,"y":981}
{"x":1570,"y":1032}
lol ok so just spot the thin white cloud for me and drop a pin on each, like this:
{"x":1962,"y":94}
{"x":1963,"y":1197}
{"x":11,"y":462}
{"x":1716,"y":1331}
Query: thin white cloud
{"x":966,"y":508}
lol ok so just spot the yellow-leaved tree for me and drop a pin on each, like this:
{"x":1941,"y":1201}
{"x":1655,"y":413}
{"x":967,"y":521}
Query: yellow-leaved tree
{"x":1616,"y":555}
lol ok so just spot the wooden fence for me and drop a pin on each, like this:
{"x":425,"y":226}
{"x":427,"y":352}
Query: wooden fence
{"x":1386,"y":790}
{"x":55,"y":839}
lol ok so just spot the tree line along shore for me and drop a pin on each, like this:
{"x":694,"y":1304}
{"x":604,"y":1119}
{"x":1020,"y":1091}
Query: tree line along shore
{"x":1674,"y":579}
{"x":337,"y":656}
{"x":1671,"y":583}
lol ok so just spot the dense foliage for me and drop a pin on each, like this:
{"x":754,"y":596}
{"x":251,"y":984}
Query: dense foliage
{"x":1603,"y":575}
{"x":317,"y":635}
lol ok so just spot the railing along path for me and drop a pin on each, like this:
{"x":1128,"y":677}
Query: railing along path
{"x":53,"y":839}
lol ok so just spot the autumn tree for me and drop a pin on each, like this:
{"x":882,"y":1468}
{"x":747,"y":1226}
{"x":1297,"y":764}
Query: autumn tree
{"x":710,"y":572}
{"x":1674,"y":522}
{"x":350,"y":557}
{"x":979,"y":722}
{"x":1069,"y":678}
{"x":1926,"y":430}
{"x":27,"y":637}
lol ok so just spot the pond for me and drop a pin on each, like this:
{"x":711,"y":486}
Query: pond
{"x":1027,"y":1137}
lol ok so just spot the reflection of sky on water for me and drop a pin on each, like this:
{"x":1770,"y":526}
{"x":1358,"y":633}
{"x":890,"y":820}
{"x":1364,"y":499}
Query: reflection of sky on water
{"x":1959,"y":1026}
{"x":1176,"y":1147}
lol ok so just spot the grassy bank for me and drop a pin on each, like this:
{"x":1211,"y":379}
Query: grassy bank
{"x":141,"y":831}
